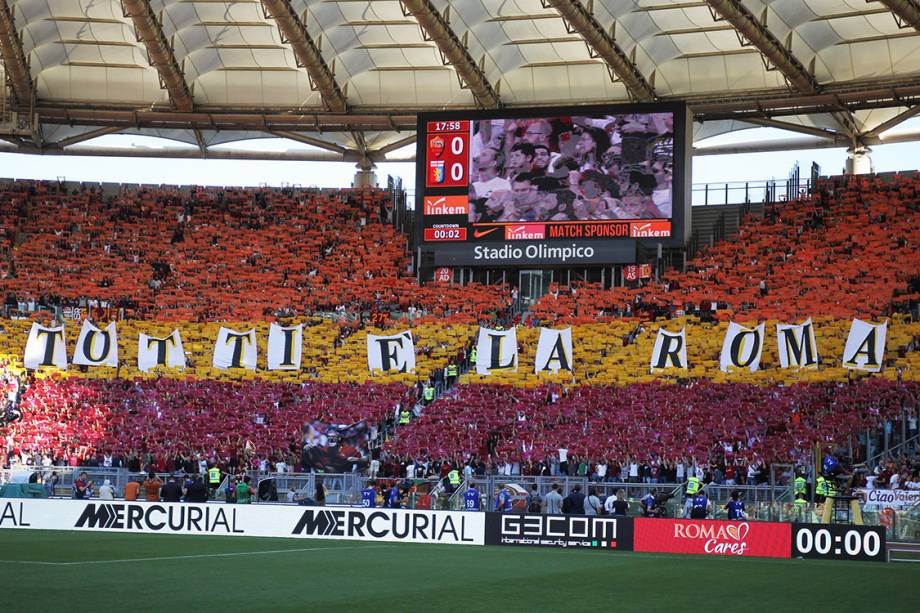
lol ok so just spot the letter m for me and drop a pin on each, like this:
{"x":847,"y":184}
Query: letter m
{"x":94,"y":516}
{"x":312,"y":523}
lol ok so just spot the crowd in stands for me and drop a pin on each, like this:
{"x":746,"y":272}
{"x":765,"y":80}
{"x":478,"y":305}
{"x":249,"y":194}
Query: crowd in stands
{"x":190,"y":259}
{"x":847,"y":250}
{"x":552,"y":430}
{"x":167,"y":423}
{"x":205,"y":254}
{"x":899,"y":472}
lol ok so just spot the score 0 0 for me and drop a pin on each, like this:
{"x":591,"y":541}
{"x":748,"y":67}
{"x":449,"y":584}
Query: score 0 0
{"x":447,"y":155}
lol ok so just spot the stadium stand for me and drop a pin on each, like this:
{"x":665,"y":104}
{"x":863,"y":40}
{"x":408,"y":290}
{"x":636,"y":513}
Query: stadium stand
{"x":206,"y":254}
{"x":650,"y":422}
{"x":188,"y":259}
{"x":846,"y":250}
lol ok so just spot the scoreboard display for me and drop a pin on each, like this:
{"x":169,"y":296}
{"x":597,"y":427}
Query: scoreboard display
{"x":532,"y":187}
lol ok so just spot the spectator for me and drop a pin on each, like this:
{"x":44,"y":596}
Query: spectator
{"x":244,"y":491}
{"x":616,"y":504}
{"x":197,"y":491}
{"x":106,"y":492}
{"x":50,"y":483}
{"x":171,"y":491}
{"x":534,"y":500}
{"x":553,"y":501}
{"x":132,"y":488}
{"x":152,"y":485}
{"x":592,"y":504}
{"x":574,"y":503}
{"x":82,"y":487}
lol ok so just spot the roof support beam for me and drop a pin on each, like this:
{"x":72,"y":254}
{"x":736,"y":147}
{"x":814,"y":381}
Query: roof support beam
{"x":308,"y":55}
{"x":202,"y":144}
{"x":580,"y":20}
{"x":793,"y":127}
{"x":453,"y":51}
{"x":309,"y":140}
{"x":79,"y":138}
{"x":894,"y":121}
{"x":906,"y":12}
{"x":194,"y":153}
{"x":225,"y":121}
{"x":159,"y":52}
{"x":14,"y":60}
{"x":756,"y":33}
{"x":395,"y":145}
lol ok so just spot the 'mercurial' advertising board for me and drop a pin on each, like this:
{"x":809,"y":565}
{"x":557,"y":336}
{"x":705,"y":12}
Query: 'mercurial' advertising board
{"x":724,"y":538}
{"x":578,"y":531}
{"x":338,"y":523}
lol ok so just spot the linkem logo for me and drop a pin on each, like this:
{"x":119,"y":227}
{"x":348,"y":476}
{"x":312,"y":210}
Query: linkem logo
{"x":527,"y":231}
{"x":650,"y":229}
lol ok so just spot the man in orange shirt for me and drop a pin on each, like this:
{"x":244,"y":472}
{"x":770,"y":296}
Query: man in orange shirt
{"x":131,"y":489}
{"x":152,"y":487}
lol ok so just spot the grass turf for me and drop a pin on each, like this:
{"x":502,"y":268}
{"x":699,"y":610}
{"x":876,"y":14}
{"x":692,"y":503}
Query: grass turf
{"x":107,"y":572}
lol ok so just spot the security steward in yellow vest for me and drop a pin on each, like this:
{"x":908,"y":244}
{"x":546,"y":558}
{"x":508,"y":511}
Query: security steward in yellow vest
{"x":799,"y":503}
{"x":454,"y":478}
{"x":213,"y":478}
{"x":428,"y":394}
{"x":693,"y":486}
{"x":800,"y":486}
{"x":451,"y":373}
{"x":821,"y":489}
{"x":404,"y":417}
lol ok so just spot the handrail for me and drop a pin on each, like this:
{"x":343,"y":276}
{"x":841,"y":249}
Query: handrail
{"x":874,"y":459}
{"x":452,"y":504}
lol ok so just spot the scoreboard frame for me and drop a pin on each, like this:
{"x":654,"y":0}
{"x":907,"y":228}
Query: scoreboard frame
{"x":467,"y":246}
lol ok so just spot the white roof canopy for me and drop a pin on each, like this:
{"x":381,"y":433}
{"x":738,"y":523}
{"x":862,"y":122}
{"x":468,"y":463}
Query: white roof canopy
{"x":348,"y":76}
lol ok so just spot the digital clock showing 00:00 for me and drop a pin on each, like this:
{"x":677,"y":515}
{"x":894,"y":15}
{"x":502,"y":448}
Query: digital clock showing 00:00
{"x":838,"y":542}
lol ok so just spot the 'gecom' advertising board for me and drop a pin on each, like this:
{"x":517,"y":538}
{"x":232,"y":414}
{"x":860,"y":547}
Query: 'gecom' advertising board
{"x":765,"y":539}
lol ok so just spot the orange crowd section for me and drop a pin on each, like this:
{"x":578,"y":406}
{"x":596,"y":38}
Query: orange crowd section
{"x":844,"y":251}
{"x":210,"y":254}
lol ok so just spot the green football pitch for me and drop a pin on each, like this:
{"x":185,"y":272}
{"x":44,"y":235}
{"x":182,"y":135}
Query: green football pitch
{"x":69,"y":571}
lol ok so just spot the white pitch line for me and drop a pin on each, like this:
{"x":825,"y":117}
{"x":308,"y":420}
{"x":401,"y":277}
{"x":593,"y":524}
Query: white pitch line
{"x":200,"y":555}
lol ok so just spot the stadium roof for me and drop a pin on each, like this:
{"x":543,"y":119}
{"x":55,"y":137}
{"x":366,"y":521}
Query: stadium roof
{"x":346,"y":77}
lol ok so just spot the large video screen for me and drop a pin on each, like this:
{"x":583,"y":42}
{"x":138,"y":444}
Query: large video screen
{"x":522,"y":187}
{"x":572,"y":168}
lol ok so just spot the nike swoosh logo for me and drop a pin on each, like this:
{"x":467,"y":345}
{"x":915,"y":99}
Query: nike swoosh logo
{"x":480,"y":234}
